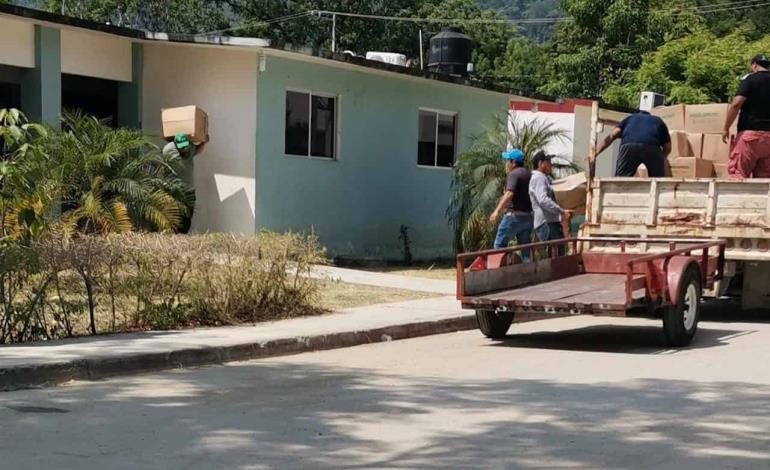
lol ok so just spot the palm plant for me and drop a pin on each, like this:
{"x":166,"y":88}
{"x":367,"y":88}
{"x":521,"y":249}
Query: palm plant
{"x":116,"y":180}
{"x":28,"y":193}
{"x":479,"y":175}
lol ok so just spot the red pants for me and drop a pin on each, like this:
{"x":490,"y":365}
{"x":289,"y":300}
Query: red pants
{"x":750,"y":155}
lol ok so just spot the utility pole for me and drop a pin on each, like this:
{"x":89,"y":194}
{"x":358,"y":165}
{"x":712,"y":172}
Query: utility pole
{"x":422,"y":59}
{"x":334,"y":32}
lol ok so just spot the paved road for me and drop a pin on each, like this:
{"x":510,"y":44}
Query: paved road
{"x":577,"y":394}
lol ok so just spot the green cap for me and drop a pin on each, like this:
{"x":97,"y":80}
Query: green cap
{"x":181,"y":141}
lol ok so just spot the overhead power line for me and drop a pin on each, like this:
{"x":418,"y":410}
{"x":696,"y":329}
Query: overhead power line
{"x":735,"y":6}
{"x":441,"y":20}
{"x":679,"y":11}
{"x":257,"y":22}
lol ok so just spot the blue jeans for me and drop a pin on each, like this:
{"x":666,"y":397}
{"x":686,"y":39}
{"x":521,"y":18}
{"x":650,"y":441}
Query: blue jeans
{"x":514,"y":225}
{"x":550,"y":231}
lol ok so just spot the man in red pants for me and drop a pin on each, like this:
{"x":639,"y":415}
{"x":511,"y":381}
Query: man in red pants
{"x":750,"y":152}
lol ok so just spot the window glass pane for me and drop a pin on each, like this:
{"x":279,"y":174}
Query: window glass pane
{"x":426,"y":148}
{"x":297,"y":123}
{"x":323,"y":128}
{"x":446,"y":139}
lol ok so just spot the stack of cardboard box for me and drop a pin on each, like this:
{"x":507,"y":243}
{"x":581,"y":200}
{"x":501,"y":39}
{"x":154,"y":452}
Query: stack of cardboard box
{"x":697,"y":150}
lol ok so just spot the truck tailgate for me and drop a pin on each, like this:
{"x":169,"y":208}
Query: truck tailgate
{"x":737,"y":211}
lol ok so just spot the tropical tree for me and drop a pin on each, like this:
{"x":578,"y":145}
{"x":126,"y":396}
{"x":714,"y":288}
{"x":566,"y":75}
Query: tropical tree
{"x":700,"y":68}
{"x":603,"y":40}
{"x":169,"y":16}
{"x":28,"y":191}
{"x":116,"y":180}
{"x":479,"y":175}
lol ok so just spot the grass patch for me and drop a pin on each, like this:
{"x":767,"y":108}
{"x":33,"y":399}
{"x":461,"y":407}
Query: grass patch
{"x":335,"y":295}
{"x":443,"y":272}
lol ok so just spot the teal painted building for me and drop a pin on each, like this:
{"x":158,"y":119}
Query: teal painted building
{"x":358,"y":200}
{"x":307,"y":141}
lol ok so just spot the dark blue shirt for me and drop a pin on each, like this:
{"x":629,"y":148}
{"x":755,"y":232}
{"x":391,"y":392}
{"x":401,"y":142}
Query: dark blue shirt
{"x":643,"y":128}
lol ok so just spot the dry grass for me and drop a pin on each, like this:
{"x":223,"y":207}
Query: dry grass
{"x":337,"y":295}
{"x":64,"y":286}
{"x":441,"y":272}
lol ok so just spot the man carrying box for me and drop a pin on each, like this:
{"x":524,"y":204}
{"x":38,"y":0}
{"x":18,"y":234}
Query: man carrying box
{"x":181,"y":148}
{"x":750,"y":152}
{"x":644,"y":140}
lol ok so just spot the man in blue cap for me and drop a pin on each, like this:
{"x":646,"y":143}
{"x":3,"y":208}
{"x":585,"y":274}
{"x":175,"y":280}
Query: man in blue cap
{"x":514,"y":203}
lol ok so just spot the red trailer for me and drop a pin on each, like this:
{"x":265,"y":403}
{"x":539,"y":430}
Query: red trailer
{"x":565,"y":277}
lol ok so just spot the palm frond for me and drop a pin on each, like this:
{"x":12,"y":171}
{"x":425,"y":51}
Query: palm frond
{"x":112,"y":176}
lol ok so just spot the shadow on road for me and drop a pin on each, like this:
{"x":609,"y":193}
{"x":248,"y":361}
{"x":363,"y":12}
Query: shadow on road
{"x":289,"y":415}
{"x":631,"y":339}
{"x":729,"y":311}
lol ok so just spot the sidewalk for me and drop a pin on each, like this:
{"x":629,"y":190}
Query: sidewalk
{"x":393,"y":281}
{"x":41,"y":364}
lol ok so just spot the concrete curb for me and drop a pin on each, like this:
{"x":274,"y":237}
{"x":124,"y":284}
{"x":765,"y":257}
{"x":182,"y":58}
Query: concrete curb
{"x":42,"y":375}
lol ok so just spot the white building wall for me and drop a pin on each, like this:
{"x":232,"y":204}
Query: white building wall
{"x":224,"y":84}
{"x":95,"y":55}
{"x":17,"y":43}
{"x":562,"y":148}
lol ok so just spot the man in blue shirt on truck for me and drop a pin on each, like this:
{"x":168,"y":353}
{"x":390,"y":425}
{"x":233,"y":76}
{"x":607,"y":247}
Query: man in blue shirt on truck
{"x":644,"y":140}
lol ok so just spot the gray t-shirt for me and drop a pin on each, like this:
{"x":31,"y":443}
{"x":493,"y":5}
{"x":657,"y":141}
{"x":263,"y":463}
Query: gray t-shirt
{"x":170,"y":151}
{"x":544,"y":205}
{"x":187,"y":171}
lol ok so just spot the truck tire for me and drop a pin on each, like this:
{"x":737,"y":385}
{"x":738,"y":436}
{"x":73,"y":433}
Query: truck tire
{"x":494,"y":324}
{"x":680,"y":322}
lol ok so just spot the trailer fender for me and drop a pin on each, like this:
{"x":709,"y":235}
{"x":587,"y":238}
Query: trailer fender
{"x":676,"y":269}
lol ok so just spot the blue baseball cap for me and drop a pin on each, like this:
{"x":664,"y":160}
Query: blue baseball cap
{"x":514,"y":154}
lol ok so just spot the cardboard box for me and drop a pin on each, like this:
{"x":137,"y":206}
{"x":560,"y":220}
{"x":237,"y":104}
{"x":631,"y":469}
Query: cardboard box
{"x":714,"y":149}
{"x":680,"y":145}
{"x":190,"y":120}
{"x":691,"y":167}
{"x":705,"y":118}
{"x":720,"y":169}
{"x":696,"y":144}
{"x":673,"y":116}
{"x":571,"y":192}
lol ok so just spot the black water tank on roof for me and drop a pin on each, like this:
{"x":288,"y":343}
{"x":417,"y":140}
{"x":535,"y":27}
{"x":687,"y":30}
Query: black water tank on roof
{"x":450,"y":52}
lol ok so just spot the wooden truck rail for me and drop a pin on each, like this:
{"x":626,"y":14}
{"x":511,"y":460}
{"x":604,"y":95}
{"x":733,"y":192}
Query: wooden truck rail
{"x":735,"y":211}
{"x":538,"y":278}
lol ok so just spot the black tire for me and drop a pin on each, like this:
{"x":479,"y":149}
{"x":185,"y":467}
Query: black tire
{"x":680,"y":323}
{"x":494,"y":324}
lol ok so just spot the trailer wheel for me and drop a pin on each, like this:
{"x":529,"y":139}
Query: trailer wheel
{"x":494,"y":324}
{"x":680,"y":322}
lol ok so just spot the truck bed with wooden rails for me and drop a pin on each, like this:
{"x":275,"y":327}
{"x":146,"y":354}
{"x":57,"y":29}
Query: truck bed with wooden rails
{"x":735,"y":211}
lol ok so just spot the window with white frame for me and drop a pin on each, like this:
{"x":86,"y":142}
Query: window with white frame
{"x":311,"y":125}
{"x":437,"y":137}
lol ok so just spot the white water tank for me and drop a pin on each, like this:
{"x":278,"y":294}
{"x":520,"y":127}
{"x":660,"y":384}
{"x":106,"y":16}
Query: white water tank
{"x":387,"y":57}
{"x":650,"y":100}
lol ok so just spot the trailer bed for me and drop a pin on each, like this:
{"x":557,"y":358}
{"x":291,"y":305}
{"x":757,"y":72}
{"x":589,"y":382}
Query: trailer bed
{"x":582,"y":290}
{"x":559,"y":277}
{"x":580,"y":282}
